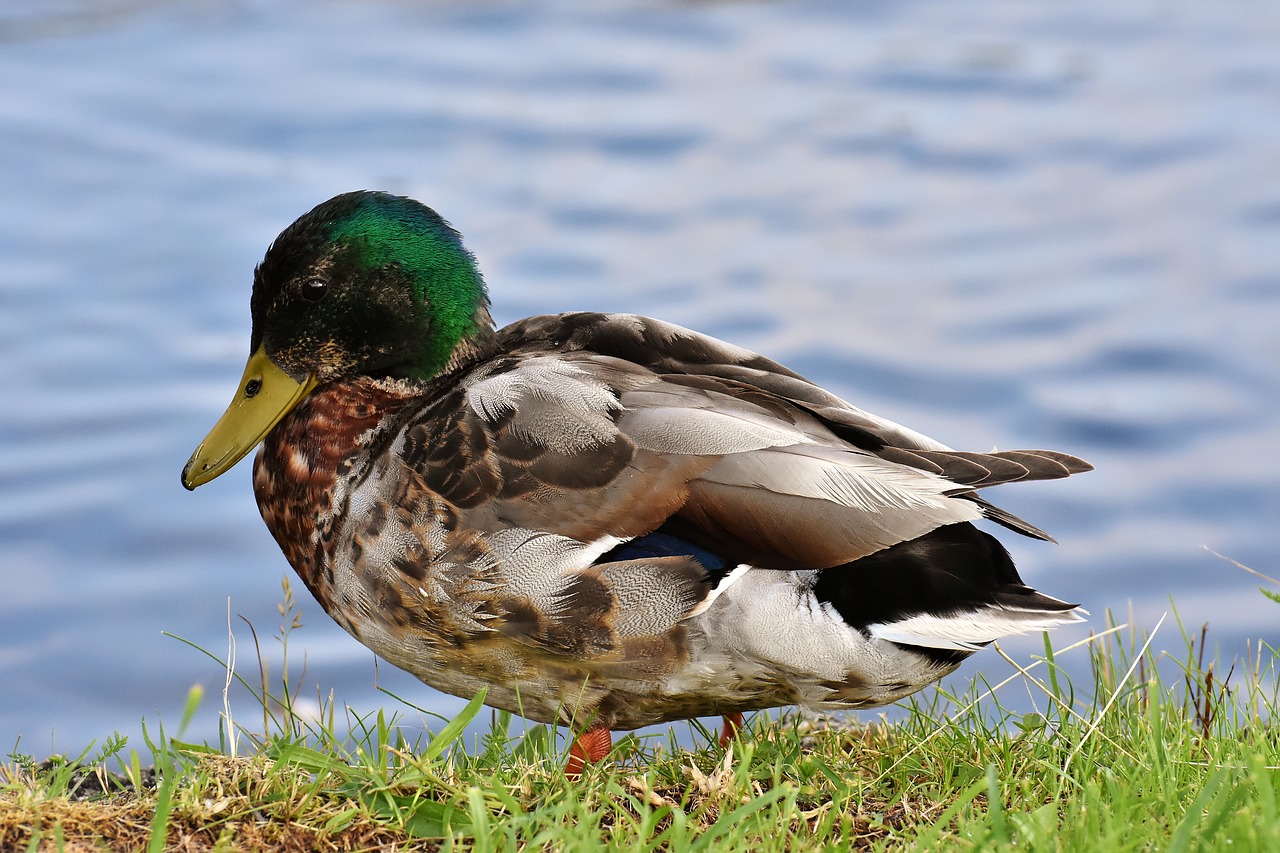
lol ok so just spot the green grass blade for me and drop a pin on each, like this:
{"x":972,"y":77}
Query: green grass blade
{"x":453,"y":730}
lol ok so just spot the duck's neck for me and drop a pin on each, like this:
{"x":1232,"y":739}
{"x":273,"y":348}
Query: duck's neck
{"x":434,"y":349}
{"x":298,"y":466}
{"x":474,"y":346}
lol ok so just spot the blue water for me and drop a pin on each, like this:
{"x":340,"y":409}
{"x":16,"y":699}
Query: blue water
{"x":1002,"y":223}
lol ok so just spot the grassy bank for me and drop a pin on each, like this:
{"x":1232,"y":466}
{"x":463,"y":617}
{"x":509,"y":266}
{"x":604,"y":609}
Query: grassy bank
{"x":1172,"y":752}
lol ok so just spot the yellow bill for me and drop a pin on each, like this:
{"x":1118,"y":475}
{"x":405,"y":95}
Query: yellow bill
{"x":266,"y":395}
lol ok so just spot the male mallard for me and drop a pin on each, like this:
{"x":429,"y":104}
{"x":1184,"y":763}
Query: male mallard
{"x":607,"y":521}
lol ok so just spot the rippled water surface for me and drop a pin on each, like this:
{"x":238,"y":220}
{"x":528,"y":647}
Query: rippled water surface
{"x":1023,"y":224}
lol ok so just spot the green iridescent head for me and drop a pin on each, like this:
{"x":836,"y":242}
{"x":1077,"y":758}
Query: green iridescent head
{"x":367,"y":284}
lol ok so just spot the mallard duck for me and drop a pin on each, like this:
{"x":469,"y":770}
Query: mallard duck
{"x":604,"y":520}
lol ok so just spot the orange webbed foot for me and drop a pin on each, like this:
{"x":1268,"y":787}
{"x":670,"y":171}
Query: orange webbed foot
{"x":589,"y":747}
{"x":732,"y":728}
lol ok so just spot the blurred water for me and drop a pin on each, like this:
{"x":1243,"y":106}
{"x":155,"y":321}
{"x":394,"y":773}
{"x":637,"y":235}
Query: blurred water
{"x":1037,"y":225}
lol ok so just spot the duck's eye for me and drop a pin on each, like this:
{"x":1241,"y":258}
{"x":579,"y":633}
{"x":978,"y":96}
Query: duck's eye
{"x":314,"y":290}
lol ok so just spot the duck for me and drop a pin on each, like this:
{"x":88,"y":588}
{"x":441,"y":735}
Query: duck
{"x":603,"y":521}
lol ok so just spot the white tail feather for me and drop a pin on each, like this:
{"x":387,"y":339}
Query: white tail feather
{"x":970,"y":630}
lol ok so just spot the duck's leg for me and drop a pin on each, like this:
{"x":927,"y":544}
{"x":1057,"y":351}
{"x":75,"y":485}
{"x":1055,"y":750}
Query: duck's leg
{"x":732,"y":726}
{"x":590,"y":746}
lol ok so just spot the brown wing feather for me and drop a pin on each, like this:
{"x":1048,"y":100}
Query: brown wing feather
{"x":597,"y":425}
